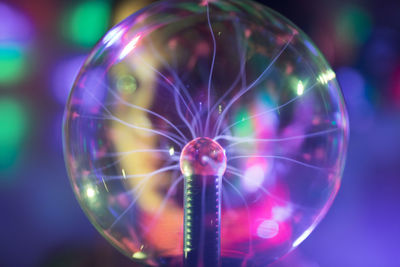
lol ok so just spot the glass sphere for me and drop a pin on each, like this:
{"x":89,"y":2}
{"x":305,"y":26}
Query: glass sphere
{"x":223,"y":87}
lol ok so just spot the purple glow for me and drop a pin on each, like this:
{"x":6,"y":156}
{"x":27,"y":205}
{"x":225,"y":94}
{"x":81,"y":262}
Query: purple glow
{"x":64,"y":76}
{"x":353,"y":84}
{"x":93,"y":98}
{"x":268,"y":229}
{"x":281,"y":213}
{"x":14,"y":26}
{"x":253,"y":178}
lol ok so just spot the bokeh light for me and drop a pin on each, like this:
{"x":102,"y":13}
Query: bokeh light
{"x":12,"y":64}
{"x":64,"y":75}
{"x":353,"y":25}
{"x":15,"y":38}
{"x":87,"y":22}
{"x":13,"y":130}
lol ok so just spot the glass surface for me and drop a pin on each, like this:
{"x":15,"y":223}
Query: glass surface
{"x":234,"y":73}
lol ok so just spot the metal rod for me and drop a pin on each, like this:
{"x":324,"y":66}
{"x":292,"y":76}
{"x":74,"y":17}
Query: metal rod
{"x":202,"y":221}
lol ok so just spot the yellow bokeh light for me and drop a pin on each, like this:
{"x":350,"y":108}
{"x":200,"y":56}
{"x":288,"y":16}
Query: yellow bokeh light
{"x":90,"y":192}
{"x":300,"y":88}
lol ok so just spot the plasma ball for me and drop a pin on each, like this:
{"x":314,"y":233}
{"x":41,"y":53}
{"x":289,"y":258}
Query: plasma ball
{"x":205,"y":133}
{"x":203,"y":156}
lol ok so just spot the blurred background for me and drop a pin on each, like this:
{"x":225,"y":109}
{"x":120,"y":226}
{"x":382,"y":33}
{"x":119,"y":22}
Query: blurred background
{"x":43,"y":43}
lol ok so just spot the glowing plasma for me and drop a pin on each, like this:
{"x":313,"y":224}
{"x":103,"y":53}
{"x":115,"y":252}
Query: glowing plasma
{"x":205,"y":132}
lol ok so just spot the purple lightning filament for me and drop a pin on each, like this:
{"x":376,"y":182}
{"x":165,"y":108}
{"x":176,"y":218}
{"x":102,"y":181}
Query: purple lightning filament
{"x":205,"y":133}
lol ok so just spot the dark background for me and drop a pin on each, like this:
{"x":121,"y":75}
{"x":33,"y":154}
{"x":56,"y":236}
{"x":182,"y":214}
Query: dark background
{"x":42,"y":45}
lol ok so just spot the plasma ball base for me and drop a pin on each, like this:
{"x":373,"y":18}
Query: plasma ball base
{"x":202,"y":221}
{"x":203,"y":162}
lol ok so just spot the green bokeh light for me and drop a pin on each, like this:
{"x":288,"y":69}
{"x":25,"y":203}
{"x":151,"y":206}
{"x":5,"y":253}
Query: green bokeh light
{"x":127,"y":84}
{"x":353,"y":25}
{"x":88,"y":22}
{"x":13,"y":127}
{"x":244,"y":126}
{"x":12,"y":63}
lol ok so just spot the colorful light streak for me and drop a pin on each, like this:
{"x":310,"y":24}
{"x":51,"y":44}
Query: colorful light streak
{"x":129,"y":47}
{"x":113,"y":36}
{"x":301,"y":238}
{"x":326,"y":77}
